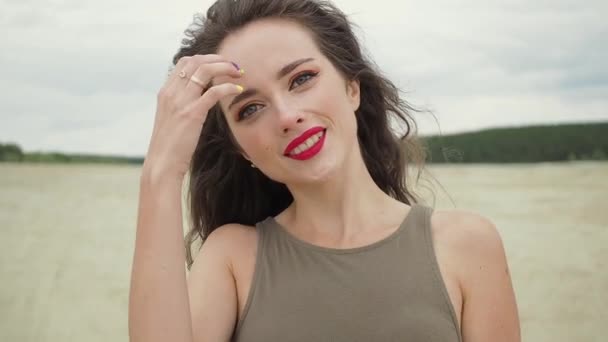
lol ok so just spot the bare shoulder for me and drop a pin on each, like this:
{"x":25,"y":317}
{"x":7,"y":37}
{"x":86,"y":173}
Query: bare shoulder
{"x":470,"y":243}
{"x":231,"y":234}
{"x":471,"y":247}
{"x":468,"y":232}
{"x":229,"y":242}
{"x":213,"y":281}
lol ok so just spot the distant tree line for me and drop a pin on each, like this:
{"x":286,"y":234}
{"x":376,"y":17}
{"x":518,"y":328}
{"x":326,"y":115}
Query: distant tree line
{"x":522,"y":144}
{"x":499,"y":145}
{"x":10,"y":152}
{"x":13,"y":153}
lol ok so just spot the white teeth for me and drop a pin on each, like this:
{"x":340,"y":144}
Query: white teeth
{"x":307,"y":144}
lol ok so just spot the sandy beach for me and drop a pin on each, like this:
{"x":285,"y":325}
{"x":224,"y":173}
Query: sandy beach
{"x":67,"y":233}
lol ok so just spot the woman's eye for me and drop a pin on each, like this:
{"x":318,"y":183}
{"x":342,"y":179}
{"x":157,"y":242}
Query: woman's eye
{"x":301,"y":79}
{"x":247,"y":111}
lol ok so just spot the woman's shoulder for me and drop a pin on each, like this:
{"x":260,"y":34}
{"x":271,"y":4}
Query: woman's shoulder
{"x":471,"y":246}
{"x":232,"y":233}
{"x":232,"y":238}
{"x":229,"y":243}
{"x":464,"y":229}
{"x":469,"y":242}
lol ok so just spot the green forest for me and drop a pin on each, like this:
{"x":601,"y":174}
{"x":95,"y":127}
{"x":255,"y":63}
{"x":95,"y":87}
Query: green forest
{"x":522,"y":144}
{"x":499,"y":145}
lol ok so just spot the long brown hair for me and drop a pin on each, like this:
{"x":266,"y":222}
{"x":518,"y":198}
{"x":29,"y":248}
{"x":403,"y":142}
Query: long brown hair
{"x":223,"y":188}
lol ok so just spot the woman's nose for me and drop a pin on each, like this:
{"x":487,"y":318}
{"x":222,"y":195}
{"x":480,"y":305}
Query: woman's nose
{"x":286,"y":128}
{"x":289,"y":119}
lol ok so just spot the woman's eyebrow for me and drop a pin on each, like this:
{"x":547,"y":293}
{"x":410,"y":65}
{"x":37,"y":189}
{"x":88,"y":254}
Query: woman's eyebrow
{"x":242,"y":96}
{"x":282,"y":73}
{"x":291,"y":66}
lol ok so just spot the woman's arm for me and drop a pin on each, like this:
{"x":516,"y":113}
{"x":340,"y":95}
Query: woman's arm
{"x":164,"y":306}
{"x":159,"y":307}
{"x":158,"y":303}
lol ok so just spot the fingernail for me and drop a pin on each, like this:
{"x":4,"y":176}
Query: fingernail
{"x":242,"y":71}
{"x":236,"y":66}
{"x":239,"y":88}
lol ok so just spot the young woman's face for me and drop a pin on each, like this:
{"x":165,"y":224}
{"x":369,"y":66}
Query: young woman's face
{"x":295,"y":120}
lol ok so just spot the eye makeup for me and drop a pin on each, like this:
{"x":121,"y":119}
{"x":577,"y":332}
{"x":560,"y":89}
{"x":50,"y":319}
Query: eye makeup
{"x":306,"y":76}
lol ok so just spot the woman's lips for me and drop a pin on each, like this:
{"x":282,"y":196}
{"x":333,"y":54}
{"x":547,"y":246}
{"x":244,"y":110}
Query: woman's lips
{"x":312,"y":148}
{"x":302,"y":138}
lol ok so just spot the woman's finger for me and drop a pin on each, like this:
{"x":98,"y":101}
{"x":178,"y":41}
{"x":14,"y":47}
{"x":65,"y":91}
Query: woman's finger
{"x":187,"y":65}
{"x":205,"y":73}
{"x":203,"y":104}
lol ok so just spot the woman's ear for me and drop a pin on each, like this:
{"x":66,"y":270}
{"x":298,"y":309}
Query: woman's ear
{"x":353,"y":91}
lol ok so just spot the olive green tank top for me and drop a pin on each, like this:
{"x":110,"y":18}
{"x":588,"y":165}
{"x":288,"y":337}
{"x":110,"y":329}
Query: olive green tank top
{"x":390,"y":290}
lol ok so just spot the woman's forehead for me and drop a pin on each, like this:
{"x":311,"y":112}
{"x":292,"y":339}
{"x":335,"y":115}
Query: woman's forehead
{"x":269,"y":43}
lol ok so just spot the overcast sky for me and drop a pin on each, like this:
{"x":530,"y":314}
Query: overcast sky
{"x":82,"y":76}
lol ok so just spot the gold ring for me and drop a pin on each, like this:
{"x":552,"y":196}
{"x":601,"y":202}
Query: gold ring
{"x":196,"y":80}
{"x":182,"y":74}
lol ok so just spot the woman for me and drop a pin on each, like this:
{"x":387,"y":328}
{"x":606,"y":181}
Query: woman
{"x":297,"y":187}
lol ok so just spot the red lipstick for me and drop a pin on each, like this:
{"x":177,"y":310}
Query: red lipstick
{"x":308,"y":152}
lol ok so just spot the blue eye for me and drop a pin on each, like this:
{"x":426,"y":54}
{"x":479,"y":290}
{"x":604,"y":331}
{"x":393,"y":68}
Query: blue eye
{"x":247,"y":111}
{"x":302,"y":78}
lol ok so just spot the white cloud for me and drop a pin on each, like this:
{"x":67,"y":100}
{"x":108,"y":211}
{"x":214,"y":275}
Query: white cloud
{"x":83,"y":75}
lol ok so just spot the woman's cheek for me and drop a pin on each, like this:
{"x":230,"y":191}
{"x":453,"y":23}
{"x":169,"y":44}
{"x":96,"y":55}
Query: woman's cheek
{"x":259,"y":147}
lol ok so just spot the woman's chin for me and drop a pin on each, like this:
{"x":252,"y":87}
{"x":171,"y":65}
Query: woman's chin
{"x":315,"y":174}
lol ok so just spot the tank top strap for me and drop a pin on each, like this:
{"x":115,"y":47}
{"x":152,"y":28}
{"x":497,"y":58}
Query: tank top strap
{"x":420,"y":250}
{"x":418,"y":219}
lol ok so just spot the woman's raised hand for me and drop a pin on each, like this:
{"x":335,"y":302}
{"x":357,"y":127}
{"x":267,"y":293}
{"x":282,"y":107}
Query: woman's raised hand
{"x":182,"y":106}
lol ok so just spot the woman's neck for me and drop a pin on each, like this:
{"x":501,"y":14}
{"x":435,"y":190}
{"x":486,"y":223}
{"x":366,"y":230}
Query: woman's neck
{"x":346,"y":204}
